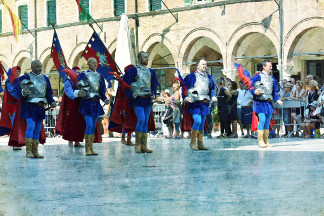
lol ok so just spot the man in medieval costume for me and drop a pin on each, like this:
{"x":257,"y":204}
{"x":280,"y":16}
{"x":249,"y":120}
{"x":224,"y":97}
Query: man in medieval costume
{"x":264,"y":88}
{"x":139,"y":84}
{"x":10,"y":102}
{"x":93,"y":84}
{"x":36,"y":92}
{"x":200,"y":87}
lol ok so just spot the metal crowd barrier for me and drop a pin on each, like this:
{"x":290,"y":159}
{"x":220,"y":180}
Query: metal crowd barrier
{"x":50,"y":122}
{"x":282,"y":115}
{"x":158,"y":110}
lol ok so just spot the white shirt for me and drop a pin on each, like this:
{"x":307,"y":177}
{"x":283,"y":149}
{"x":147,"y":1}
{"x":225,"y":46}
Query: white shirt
{"x":247,"y":98}
{"x":240,"y":97}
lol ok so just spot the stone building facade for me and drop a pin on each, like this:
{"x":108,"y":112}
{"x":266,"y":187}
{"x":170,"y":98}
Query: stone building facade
{"x":221,"y":31}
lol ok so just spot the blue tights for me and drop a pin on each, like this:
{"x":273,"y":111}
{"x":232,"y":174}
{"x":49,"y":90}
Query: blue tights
{"x":33,"y":128}
{"x":91,"y":123}
{"x":12,"y":118}
{"x":143,"y":115}
{"x":264,"y":121}
{"x":199,"y":122}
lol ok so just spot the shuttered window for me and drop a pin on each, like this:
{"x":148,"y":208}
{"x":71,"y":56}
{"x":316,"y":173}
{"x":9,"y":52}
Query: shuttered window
{"x":155,"y":5}
{"x":188,"y":2}
{"x":23,"y":16}
{"x":119,"y":7}
{"x":51,"y":12}
{"x":0,"y":21}
{"x":85,"y":4}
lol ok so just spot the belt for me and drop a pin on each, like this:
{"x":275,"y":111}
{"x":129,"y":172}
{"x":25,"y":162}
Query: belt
{"x":94,"y":99}
{"x":244,"y":107}
{"x":41,"y":104}
{"x":204,"y":101}
{"x":145,"y":97}
{"x":13,"y":103}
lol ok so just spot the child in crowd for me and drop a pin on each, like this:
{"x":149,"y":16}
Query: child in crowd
{"x":167,"y":118}
{"x":176,"y":118}
{"x":312,"y":120}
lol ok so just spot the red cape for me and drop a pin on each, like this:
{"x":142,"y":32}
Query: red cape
{"x":71,"y":124}
{"x":187,"y":120}
{"x":7,"y":109}
{"x":117,"y":119}
{"x":17,"y":135}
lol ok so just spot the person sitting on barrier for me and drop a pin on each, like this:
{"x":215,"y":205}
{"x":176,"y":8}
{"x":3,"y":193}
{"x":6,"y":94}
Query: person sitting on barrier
{"x":265,"y":91}
{"x":312,"y":120}
{"x":299,"y":95}
{"x":312,"y":92}
{"x":287,"y":111}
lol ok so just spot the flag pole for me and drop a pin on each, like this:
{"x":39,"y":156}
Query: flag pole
{"x":3,"y":68}
{"x":90,"y":24}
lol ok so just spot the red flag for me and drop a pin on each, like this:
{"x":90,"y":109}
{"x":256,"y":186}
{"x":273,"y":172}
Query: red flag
{"x":2,"y":71}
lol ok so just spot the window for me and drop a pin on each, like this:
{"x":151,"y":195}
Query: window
{"x":203,"y":1}
{"x":119,"y":7}
{"x":23,"y":16}
{"x":0,"y":21}
{"x":155,"y":5}
{"x":188,"y":2}
{"x":85,"y":4}
{"x":51,"y":12}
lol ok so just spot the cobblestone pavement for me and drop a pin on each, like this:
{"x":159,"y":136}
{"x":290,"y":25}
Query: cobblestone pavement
{"x":234,"y":177}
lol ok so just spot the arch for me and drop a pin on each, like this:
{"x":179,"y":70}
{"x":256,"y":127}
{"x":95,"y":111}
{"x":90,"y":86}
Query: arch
{"x":297,"y":31}
{"x":45,"y":54}
{"x":197,"y":34}
{"x":4,"y":61}
{"x":76,"y":50}
{"x":25,"y":64}
{"x":155,"y":38}
{"x":160,"y":56}
{"x":243,"y":30}
{"x":22,"y":54}
{"x":47,"y":63}
{"x":112,"y":46}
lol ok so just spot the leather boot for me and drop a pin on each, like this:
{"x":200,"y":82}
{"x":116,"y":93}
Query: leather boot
{"x":200,"y":138}
{"x":123,"y":141}
{"x":144,"y":144}
{"x":260,"y":139}
{"x":87,"y":139}
{"x":266,"y":138}
{"x":129,"y":141}
{"x":78,"y":145}
{"x":35,"y":149}
{"x":29,"y":152}
{"x":193,"y":142}
{"x":91,"y":145}
{"x":138,"y":140}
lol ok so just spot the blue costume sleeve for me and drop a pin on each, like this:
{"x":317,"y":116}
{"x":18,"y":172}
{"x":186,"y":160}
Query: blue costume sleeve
{"x":275,"y":90}
{"x":12,"y":89}
{"x":102,"y":89}
{"x":211,"y":86}
{"x":68,"y":90}
{"x":154,"y":82}
{"x":189,"y":81}
{"x":129,"y":77}
{"x":49,"y":92}
{"x":81,"y":76}
{"x":254,"y":79}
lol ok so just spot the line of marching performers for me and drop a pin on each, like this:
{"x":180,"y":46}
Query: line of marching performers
{"x":27,"y":97}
